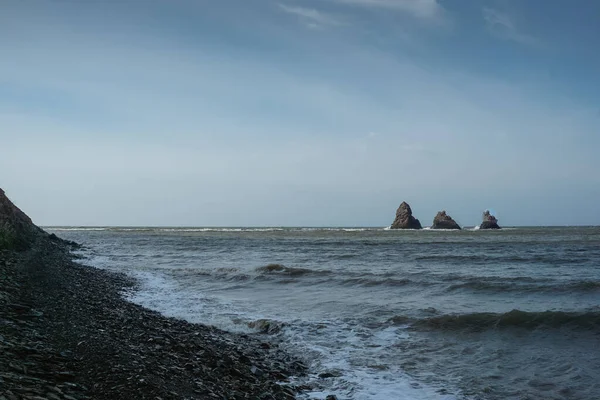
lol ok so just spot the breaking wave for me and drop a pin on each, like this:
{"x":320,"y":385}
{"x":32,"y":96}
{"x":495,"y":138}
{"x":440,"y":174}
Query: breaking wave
{"x":266,"y":326}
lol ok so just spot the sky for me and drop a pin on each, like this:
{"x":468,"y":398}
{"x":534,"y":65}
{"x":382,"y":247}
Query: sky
{"x":300,"y":112}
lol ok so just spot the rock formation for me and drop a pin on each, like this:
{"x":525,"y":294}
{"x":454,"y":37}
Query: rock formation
{"x":404,"y":218}
{"x":489,"y":221}
{"x":444,"y":221}
{"x":16,"y":228}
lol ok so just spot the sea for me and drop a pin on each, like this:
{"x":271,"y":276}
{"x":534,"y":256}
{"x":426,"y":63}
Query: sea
{"x":384,"y":314}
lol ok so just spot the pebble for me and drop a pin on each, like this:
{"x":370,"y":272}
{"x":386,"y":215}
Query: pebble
{"x":68,"y":334}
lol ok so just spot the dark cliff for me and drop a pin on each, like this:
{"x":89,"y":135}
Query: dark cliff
{"x":17,"y":231}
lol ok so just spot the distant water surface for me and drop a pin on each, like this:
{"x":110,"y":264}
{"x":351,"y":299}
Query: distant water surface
{"x":510,"y":314}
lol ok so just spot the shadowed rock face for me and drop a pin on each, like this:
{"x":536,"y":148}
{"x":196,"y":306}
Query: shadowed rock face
{"x":489,"y":221}
{"x":16,"y":228}
{"x":444,"y":221}
{"x":404,"y":218}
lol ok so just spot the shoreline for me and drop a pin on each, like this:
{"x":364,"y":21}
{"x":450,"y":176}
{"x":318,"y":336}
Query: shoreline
{"x":67,"y":332}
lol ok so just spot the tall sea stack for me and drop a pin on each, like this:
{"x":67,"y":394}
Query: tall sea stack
{"x":489,"y":221}
{"x":404,"y":218}
{"x":444,"y":221}
{"x":17,"y":231}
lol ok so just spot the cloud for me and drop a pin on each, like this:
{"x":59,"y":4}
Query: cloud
{"x":313,"y":18}
{"x":423,"y":9}
{"x":503,"y":26}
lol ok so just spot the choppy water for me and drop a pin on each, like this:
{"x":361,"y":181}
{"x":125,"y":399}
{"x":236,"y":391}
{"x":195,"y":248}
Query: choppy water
{"x":511,"y":314}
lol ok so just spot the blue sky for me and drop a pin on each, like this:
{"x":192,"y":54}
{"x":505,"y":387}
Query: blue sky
{"x":300,"y":112}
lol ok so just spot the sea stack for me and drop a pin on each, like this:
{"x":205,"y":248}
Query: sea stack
{"x":404,"y":218}
{"x":489,"y":221}
{"x":17,"y":231}
{"x":444,"y":221}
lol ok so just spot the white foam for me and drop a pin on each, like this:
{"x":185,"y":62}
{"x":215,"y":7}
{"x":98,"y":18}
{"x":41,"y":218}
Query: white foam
{"x":361,"y":382}
{"x":219,"y":229}
{"x":431,"y":229}
{"x":332,"y":229}
{"x":94,"y":260}
{"x":58,"y":229}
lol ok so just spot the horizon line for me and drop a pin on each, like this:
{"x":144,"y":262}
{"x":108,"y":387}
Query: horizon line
{"x":294,"y":226}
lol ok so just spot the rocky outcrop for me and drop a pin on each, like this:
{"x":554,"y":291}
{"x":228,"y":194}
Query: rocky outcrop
{"x":17,"y":231}
{"x":489,"y":221}
{"x":444,"y":221}
{"x":404,"y":218}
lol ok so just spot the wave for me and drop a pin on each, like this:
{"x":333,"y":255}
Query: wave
{"x":266,"y":326}
{"x":487,"y":258}
{"x":289,"y":271}
{"x":451,"y":257}
{"x":448,"y":283}
{"x":376,"y":282}
{"x":589,"y":320}
{"x":519,"y":286}
{"x":267,"y":272}
{"x":363,"y":279}
{"x":346,"y":256}
{"x":493,"y":278}
{"x":228,"y":274}
{"x":278,"y":271}
{"x":281,"y":274}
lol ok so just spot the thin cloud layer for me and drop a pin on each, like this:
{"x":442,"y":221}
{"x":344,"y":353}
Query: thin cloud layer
{"x":503,"y":26}
{"x":312,"y":17}
{"x":426,"y":9}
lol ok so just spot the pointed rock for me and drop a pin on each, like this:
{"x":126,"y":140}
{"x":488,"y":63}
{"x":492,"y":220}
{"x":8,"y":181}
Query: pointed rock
{"x":489,"y":221}
{"x":444,"y":221}
{"x":404,"y":218}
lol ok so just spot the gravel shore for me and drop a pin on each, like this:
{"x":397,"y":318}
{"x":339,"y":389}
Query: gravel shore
{"x":67,"y":333}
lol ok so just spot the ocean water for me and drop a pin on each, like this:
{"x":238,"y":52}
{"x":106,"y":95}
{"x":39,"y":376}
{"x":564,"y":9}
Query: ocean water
{"x":383,"y":314}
